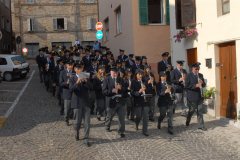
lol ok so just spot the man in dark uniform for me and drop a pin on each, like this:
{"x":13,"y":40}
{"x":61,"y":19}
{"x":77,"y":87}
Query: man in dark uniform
{"x":41,"y":61}
{"x":165,"y":102}
{"x":194,"y":84}
{"x":164,"y":66}
{"x":145,"y":63}
{"x":87,"y":60}
{"x":64,"y":80}
{"x":122,"y":56}
{"x":178,"y":79}
{"x":80,"y":102}
{"x":130,"y":62}
{"x":115,"y":91}
{"x":57,"y":71}
{"x":138,"y":64}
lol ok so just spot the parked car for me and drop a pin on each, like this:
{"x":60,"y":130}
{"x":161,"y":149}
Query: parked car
{"x":0,"y":76}
{"x":13,"y":66}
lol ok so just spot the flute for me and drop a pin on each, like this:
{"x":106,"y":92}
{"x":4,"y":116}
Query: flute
{"x":143,"y":86}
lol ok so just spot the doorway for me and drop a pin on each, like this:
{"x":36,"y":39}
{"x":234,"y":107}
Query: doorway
{"x":228,"y":80}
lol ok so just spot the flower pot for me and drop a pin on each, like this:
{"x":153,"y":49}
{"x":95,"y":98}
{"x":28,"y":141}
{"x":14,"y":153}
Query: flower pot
{"x":208,"y":101}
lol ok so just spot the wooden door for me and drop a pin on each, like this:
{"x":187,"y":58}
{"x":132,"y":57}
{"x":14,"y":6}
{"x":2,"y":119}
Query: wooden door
{"x":192,"y":56}
{"x":228,"y":80}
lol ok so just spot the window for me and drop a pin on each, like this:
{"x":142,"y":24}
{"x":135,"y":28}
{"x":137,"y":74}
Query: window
{"x":8,"y":26}
{"x":60,"y":1}
{"x":60,"y":23}
{"x":3,"y":23}
{"x":118,"y":20}
{"x":155,"y":11}
{"x":3,"y":61}
{"x":225,"y":6}
{"x":185,"y":13}
{"x":90,"y":1}
{"x":18,"y":60}
{"x":106,"y":26}
{"x":91,"y":22}
{"x":30,"y":1}
{"x":31,"y":24}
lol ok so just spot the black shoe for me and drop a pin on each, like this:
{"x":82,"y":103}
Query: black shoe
{"x":122,"y":135}
{"x":170,"y":131}
{"x":151,"y":119}
{"x":146,"y":134}
{"x":108,"y":130}
{"x":77,"y":137}
{"x":98,"y":118}
{"x":203,"y":128}
{"x":67,"y":123}
{"x":86,"y":143}
{"x":159,"y":125}
{"x":136,"y":127}
{"x":187,"y":122}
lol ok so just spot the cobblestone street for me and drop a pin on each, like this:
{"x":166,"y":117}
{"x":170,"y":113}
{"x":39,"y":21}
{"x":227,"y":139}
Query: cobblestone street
{"x":35,"y":130}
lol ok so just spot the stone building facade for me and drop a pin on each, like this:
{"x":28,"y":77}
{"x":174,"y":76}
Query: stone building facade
{"x":5,"y":26}
{"x":48,"y":23}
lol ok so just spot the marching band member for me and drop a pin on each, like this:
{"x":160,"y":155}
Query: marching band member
{"x":139,"y":89}
{"x":165,"y":101}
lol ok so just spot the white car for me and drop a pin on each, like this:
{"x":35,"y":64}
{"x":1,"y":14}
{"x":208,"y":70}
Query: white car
{"x":13,"y":66}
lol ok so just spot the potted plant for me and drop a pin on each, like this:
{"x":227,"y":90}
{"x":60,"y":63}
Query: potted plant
{"x":185,"y":33}
{"x":208,"y":95}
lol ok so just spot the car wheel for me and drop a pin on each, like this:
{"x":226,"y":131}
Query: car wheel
{"x":23,"y":75}
{"x":8,"y":76}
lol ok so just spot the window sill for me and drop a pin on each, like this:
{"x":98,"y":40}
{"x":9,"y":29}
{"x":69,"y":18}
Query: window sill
{"x":118,"y":34}
{"x":158,"y":24}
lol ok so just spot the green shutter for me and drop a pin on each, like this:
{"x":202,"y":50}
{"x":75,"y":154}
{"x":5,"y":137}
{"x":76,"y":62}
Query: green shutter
{"x":167,"y":12}
{"x":143,"y":12}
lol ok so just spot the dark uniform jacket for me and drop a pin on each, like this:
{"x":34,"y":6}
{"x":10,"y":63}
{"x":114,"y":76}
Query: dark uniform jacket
{"x":138,"y":98}
{"x":162,"y":66}
{"x":80,"y":93}
{"x":97,"y":85}
{"x":109,"y":85}
{"x":41,"y":61}
{"x":175,"y":76}
{"x":64,"y":83}
{"x":122,"y":58}
{"x":193,"y":93}
{"x":164,"y":99}
{"x":87,"y":63}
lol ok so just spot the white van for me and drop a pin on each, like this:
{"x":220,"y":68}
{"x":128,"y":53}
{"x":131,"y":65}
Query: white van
{"x":13,"y":66}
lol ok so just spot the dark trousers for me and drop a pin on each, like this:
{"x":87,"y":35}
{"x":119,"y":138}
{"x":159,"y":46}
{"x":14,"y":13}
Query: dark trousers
{"x":130,"y":108}
{"x":40,"y":74}
{"x":80,"y":114}
{"x":166,"y":110}
{"x":195,"y":107}
{"x":152,"y":107}
{"x":142,"y":113}
{"x":101,"y":108}
{"x":67,"y":109}
{"x":121,"y":111}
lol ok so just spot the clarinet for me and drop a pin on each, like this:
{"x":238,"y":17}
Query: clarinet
{"x":201,"y":89}
{"x":143,"y":86}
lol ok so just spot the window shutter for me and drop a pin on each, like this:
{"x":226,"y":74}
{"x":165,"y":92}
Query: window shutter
{"x":178,"y":14}
{"x":54,"y":23}
{"x":89,"y":23}
{"x":93,"y":23}
{"x":33,"y":24}
{"x":143,"y":12}
{"x":188,"y":13}
{"x":29,"y":24}
{"x":65,"y":24}
{"x":167,"y":12}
